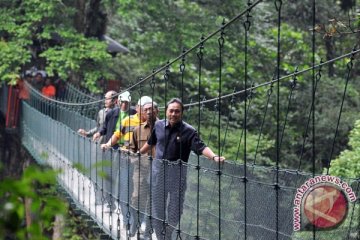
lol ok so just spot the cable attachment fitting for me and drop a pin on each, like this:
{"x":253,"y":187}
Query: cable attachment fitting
{"x":182,"y":65}
{"x":318,"y":74}
{"x":247,"y":23}
{"x":152,"y":82}
{"x":278,"y":4}
{"x":293,"y":81}
{"x":350,"y":63}
{"x":232,"y":100}
{"x":202,"y":103}
{"x":201,"y":48}
{"x":251,"y":93}
{"x":221,"y":39}
{"x":270,"y":90}
{"x":140,"y":88}
{"x":167,"y":71}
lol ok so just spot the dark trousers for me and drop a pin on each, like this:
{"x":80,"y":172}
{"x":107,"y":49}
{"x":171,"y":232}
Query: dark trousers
{"x":110,"y":167}
{"x":169,"y":185}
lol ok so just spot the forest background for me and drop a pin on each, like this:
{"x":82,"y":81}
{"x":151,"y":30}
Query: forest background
{"x":64,"y":38}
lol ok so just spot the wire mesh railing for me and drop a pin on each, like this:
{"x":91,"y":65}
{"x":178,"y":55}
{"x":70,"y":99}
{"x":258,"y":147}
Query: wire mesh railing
{"x":83,"y":165}
{"x":264,"y":127}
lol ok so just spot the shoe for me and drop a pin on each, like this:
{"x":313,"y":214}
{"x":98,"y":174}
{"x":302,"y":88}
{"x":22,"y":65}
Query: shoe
{"x":133,"y":230}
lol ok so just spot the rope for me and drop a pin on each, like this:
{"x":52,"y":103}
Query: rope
{"x":317,"y":77}
{"x":182,"y":71}
{"x":219,"y":30}
{"x":278,"y":79}
{"x":151,"y":229}
{"x":242,"y":129}
{"x":227,"y":123}
{"x":221,"y":41}
{"x":247,"y":25}
{"x":253,"y":87}
{"x":213,"y":120}
{"x":138,"y":222}
{"x":349,"y":68}
{"x":200,"y":55}
{"x":278,"y":5}
{"x":314,"y":85}
{"x":118,"y":221}
{"x":166,"y":78}
{"x":269,"y":93}
{"x":292,"y":87}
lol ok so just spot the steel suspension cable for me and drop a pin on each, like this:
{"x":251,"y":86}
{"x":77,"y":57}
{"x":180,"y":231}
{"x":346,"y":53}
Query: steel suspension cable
{"x":349,"y":68}
{"x":305,"y":135}
{"x":151,"y":229}
{"x":227,"y":123}
{"x":195,"y":47}
{"x":118,"y":211}
{"x":292,"y":87}
{"x":269,"y":94}
{"x":178,"y":230}
{"x":199,"y":55}
{"x":165,"y":162}
{"x":169,"y":63}
{"x":278,"y":5}
{"x":242,"y":129}
{"x":314,"y":85}
{"x":138,"y":220}
{"x":254,"y":87}
{"x":213,"y":120}
{"x":221,"y":41}
{"x":247,"y":25}
{"x":110,"y":197}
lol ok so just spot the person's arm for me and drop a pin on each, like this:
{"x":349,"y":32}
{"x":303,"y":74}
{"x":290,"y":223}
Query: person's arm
{"x":145,"y":148}
{"x":103,"y":129}
{"x":207,"y":152}
{"x":91,"y":132}
{"x":134,"y":147}
{"x":100,"y":119}
{"x":112,"y":141}
{"x":82,"y":132}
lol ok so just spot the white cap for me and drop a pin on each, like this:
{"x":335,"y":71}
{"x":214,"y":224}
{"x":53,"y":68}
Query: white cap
{"x":124,"y":97}
{"x":143,"y":100}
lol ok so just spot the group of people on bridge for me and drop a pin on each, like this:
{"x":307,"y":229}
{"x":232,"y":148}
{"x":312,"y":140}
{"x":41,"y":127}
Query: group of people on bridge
{"x":121,"y":127}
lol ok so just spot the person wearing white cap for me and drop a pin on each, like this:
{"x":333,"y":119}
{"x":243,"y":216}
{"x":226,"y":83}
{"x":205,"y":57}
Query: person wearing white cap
{"x":114,"y":118}
{"x":126,"y":128}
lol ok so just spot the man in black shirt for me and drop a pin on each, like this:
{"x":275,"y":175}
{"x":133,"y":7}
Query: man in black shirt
{"x":174,"y":140}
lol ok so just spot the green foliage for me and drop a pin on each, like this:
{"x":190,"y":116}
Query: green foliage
{"x":36,"y":186}
{"x":28,"y":30}
{"x":348,"y":163}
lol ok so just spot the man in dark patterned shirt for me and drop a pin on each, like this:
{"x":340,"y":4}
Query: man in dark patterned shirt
{"x":174,"y":140}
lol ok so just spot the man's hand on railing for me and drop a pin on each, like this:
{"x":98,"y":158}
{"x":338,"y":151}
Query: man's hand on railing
{"x":82,"y":132}
{"x":96,"y":136}
{"x":105,"y":146}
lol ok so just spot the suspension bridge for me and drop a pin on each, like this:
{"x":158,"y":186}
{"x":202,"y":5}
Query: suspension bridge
{"x":249,"y":196}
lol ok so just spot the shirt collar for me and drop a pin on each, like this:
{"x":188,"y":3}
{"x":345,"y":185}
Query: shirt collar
{"x":177,"y":125}
{"x":147,"y":125}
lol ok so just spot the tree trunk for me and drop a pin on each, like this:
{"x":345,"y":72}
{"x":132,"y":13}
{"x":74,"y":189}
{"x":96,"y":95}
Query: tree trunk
{"x":58,"y":227}
{"x":330,"y":55}
{"x":13,"y":156}
{"x":79,"y":20}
